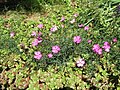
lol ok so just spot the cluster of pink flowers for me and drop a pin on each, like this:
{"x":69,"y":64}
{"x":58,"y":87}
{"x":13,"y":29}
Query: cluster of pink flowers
{"x":80,"y":62}
{"x":106,"y":46}
{"x":36,"y":40}
{"x":96,"y":48}
{"x":77,"y":39}
{"x":55,"y":50}
{"x":74,"y":19}
{"x":85,"y":27}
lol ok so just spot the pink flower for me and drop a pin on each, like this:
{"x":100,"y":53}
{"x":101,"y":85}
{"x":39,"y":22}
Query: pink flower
{"x":40,"y":26}
{"x":106,"y":46}
{"x":12,"y":34}
{"x":62,"y":26}
{"x":62,"y":19}
{"x":55,"y":49}
{"x":39,"y":34}
{"x":86,"y":28}
{"x":72,"y":21}
{"x":76,"y":15}
{"x":33,"y":33}
{"x":35,"y":42}
{"x":53,"y":29}
{"x":37,"y":55}
{"x":115,"y":40}
{"x":50,"y":55}
{"x":80,"y":63}
{"x":39,"y":39}
{"x":81,"y":25}
{"x":96,"y":48}
{"x":99,"y":51}
{"x":77,"y":39}
{"x":89,"y":41}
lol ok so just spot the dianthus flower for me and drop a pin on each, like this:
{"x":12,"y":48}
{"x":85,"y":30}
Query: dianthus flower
{"x":39,"y":34}
{"x":77,"y":39}
{"x":106,"y":46}
{"x":81,"y":25}
{"x":12,"y":34}
{"x":50,"y":55}
{"x":114,"y":40}
{"x":39,"y":39}
{"x":53,"y":29}
{"x":37,"y":55}
{"x":76,"y":15}
{"x":40,"y":26}
{"x":86,"y":28}
{"x":96,"y":48}
{"x":89,"y":41}
{"x":62,"y":19}
{"x":35,"y":42}
{"x":80,"y":62}
{"x":55,"y":49}
{"x":62,"y":26}
{"x":33,"y":33}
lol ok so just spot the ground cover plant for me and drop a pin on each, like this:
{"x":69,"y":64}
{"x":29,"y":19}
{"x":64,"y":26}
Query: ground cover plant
{"x":74,"y":46}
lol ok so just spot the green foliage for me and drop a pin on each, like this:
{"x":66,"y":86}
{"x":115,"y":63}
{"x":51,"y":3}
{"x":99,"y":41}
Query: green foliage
{"x":19,"y":69}
{"x":115,"y":0}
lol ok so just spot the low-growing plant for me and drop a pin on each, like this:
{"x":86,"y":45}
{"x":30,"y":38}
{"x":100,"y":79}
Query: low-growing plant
{"x":69,"y":46}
